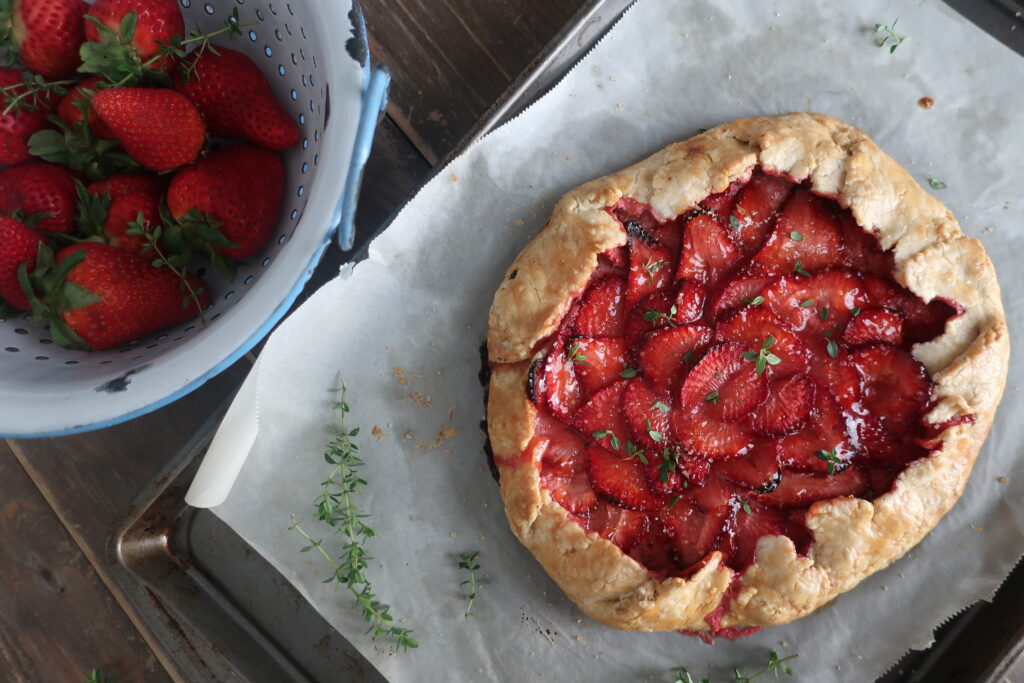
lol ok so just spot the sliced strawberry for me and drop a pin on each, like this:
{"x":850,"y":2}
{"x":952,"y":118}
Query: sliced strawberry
{"x":875,"y":325}
{"x":839,"y":377}
{"x":880,"y":480}
{"x":654,"y":551}
{"x":818,"y":304}
{"x":628,"y":210}
{"x":571,"y":490}
{"x":922,"y":322}
{"x":598,"y":362}
{"x":564,"y":450}
{"x":870,"y":437}
{"x":798,"y":489}
{"x":564,"y":470}
{"x":752,"y":326}
{"x":602,"y":311}
{"x":602,"y":414}
{"x":723,"y":386}
{"x":653,"y":312}
{"x":667,"y":354}
{"x":709,"y":438}
{"x":862,"y":252}
{"x":663,"y":480}
{"x":756,"y":206}
{"x":647,"y":415}
{"x":752,"y":526}
{"x":621,"y":478}
{"x":693,"y":468}
{"x":759,"y":470}
{"x":822,"y":443}
{"x":692,"y":531}
{"x":715,"y":493}
{"x":617,"y":257}
{"x":616,"y":524}
{"x":896,"y":386}
{"x":708,"y":251}
{"x":650,"y":269}
{"x":670,"y":233}
{"x":805,"y":232}
{"x":560,"y":388}
{"x":788,"y":405}
{"x":690,"y":302}
{"x":743,"y":291}
{"x":720,"y":204}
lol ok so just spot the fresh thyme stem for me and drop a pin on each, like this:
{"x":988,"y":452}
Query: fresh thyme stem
{"x":152,"y":237}
{"x":336,"y":507}
{"x":469,"y":563}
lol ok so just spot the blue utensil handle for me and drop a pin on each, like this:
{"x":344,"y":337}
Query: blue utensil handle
{"x":374,"y":101}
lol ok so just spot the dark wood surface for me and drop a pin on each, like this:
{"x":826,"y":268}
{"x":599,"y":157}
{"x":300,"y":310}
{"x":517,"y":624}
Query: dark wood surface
{"x":61,"y":615}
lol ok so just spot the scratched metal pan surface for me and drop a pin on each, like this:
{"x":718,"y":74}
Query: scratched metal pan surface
{"x":222,"y":613}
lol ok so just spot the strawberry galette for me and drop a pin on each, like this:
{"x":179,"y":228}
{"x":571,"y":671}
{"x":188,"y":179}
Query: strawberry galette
{"x":731,"y":381}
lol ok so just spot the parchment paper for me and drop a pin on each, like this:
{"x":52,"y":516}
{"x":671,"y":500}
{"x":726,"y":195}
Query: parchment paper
{"x":420,"y":304}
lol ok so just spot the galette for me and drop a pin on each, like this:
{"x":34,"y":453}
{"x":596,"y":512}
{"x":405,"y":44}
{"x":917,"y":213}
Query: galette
{"x":733,"y":380}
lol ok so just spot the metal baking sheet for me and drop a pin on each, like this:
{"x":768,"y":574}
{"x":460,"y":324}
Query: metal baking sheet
{"x":222,"y":613}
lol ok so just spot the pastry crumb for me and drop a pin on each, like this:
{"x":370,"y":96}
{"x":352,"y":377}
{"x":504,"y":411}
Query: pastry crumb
{"x":400,"y":374}
{"x":452,"y":535}
{"x":729,"y":76}
{"x":975,"y":527}
{"x":988,"y":231}
{"x":448,"y":451}
{"x":926,"y":102}
{"x":378,"y":433}
{"x":442,"y":436}
{"x":408,"y":435}
{"x":885,"y":588}
{"x":455,"y":177}
{"x":520,"y":221}
{"x":1003,"y":480}
{"x":420,"y":400}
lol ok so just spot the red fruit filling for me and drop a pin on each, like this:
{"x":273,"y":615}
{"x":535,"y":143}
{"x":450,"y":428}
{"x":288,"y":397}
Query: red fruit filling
{"x":726,"y":369}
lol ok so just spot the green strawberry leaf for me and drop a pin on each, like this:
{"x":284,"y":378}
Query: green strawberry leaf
{"x":75,"y":296}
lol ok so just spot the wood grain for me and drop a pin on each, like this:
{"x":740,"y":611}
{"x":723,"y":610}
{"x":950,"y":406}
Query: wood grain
{"x":57,"y":619}
{"x":451,"y":59}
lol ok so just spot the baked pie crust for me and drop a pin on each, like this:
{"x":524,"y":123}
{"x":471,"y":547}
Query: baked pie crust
{"x":852,"y":537}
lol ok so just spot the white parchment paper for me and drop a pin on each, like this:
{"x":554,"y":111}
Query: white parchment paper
{"x":420,"y":304}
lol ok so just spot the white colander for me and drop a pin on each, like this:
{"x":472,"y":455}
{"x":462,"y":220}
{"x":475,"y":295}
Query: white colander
{"x":314,"y":54}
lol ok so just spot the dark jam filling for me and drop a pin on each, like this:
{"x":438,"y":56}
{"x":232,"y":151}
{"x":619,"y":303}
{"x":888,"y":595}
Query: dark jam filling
{"x":724,"y":370}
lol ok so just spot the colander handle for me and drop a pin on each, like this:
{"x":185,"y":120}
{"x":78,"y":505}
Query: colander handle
{"x":374,"y":102}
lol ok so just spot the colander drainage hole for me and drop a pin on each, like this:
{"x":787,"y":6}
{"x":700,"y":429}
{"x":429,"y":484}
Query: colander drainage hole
{"x":247,"y":280}
{"x":282,"y":239}
{"x":45,"y":341}
{"x":208,"y":8}
{"x":230,"y":295}
{"x":42,"y":358}
{"x":266,"y":262}
{"x":71,"y":362}
{"x":12,"y":349}
{"x":186,"y":3}
{"x":252,"y":34}
{"x":268,"y":52}
{"x":20,"y":330}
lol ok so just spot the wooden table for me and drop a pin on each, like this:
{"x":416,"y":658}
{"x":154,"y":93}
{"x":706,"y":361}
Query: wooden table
{"x":61,"y":615}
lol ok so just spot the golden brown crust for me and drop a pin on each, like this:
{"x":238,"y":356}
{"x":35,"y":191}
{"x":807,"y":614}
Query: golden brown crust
{"x":852,"y":538}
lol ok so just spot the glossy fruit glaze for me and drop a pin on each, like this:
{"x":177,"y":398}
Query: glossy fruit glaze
{"x":726,"y":369}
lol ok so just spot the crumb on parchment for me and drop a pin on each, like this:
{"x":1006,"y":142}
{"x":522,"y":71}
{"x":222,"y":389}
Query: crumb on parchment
{"x":420,"y":400}
{"x":378,"y":433}
{"x":1003,"y":480}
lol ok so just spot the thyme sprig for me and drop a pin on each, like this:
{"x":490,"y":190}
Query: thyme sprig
{"x":336,"y":507}
{"x":469,"y":562}
{"x":32,"y":93}
{"x":885,"y":34}
{"x":174,"y":262}
{"x":97,"y":676}
{"x":775,"y":665}
{"x":763,"y":357}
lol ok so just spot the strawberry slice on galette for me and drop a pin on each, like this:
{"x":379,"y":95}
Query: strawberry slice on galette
{"x":730,"y":382}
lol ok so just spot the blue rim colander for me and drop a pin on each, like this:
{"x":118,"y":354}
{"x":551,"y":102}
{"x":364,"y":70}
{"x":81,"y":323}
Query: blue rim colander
{"x":330,"y":87}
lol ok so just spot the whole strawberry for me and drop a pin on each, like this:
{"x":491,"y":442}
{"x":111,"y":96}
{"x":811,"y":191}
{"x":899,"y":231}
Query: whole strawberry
{"x":156,"y":21}
{"x":25,"y":117}
{"x":117,"y":186}
{"x":18,"y":244}
{"x":38,"y":188}
{"x":235,"y":98}
{"x":159,"y":128}
{"x":109,"y":296}
{"x":45,"y":34}
{"x":70,"y":108}
{"x":240,"y":187}
{"x":114,"y":206}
